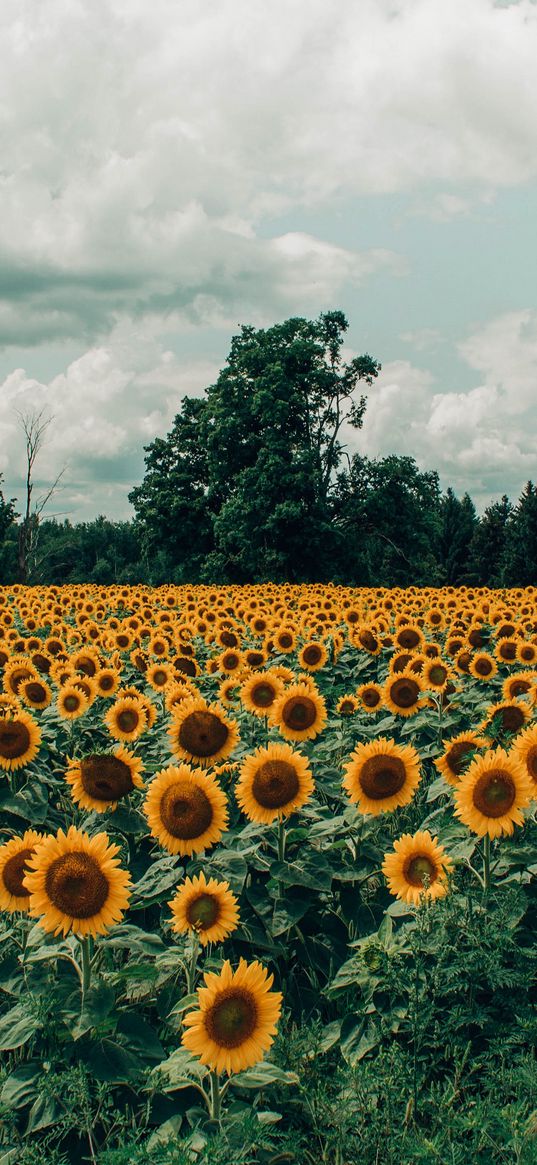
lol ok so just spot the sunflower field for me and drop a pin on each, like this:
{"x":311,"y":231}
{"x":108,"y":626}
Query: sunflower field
{"x":267,"y":875}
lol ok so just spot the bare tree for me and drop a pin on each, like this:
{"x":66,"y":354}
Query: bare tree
{"x":34,"y":426}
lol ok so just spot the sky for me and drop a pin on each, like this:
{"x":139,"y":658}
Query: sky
{"x":170,"y":171}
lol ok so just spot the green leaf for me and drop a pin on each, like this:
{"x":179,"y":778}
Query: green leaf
{"x":98,"y":1003}
{"x":109,"y":1061}
{"x":140,"y":1037}
{"x":21,"y":1086}
{"x":157,"y":881}
{"x":16,"y":1028}
{"x":287,"y":912}
{"x":133,"y":938}
{"x":358,"y":1037}
{"x":180,"y":1069}
{"x":44,"y":1112}
{"x":263,"y":1074}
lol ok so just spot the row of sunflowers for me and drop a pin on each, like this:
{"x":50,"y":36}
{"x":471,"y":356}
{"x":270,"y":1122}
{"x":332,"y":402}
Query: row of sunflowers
{"x":215,"y":801}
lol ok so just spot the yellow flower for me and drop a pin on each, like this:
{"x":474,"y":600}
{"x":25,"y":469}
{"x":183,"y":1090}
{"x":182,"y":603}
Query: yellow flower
{"x":273,"y":783}
{"x":206,"y":907}
{"x":76,"y":883}
{"x":458,"y":754}
{"x":237,"y":1018}
{"x":186,"y":810}
{"x":492,"y":793}
{"x":19,"y":739}
{"x":201,"y":733}
{"x":98,"y":781}
{"x":382,"y":775}
{"x":417,"y":867}
{"x":14,"y":856}
{"x":300,"y":712}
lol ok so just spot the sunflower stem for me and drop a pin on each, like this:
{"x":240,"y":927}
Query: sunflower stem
{"x":486,"y":864}
{"x":192,"y":966}
{"x":86,"y":964}
{"x":215,"y":1097}
{"x":281,"y":840}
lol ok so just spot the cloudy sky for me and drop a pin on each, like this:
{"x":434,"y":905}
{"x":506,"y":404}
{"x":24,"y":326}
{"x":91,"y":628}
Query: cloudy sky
{"x":170,"y":170}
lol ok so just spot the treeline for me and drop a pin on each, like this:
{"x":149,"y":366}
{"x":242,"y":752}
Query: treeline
{"x":254,"y":483}
{"x":395,"y":527}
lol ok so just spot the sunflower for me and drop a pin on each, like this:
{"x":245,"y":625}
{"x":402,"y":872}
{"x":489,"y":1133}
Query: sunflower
{"x":107,"y":681}
{"x":483,"y":666}
{"x":186,"y":810}
{"x":201,"y":733}
{"x":71,"y":702}
{"x":35,"y":693}
{"x":273,"y":783}
{"x":506,"y":650}
{"x":527,"y":653}
{"x":126,"y":719}
{"x":382,"y":775}
{"x":98,"y":781}
{"x":300,"y":712}
{"x":524,"y":750}
{"x":206,"y":907}
{"x":492,"y":793}
{"x":436,"y":674}
{"x":259,"y":692}
{"x":76,"y":883}
{"x":19,"y":739}
{"x":459,"y":751}
{"x":158,"y":675}
{"x":366,"y":639}
{"x":409,"y":637}
{"x":522,"y":683}
{"x":370,"y":696}
{"x":14,"y":856}
{"x":417,"y":867}
{"x":312,"y":656}
{"x":236,"y":1020}
{"x":403,"y":693}
{"x":347,"y":705}
{"x":284,"y":640}
{"x":505,"y":718}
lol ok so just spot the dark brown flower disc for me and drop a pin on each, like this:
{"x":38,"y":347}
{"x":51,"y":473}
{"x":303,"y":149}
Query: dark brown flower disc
{"x":371,"y":697}
{"x":202,"y":733}
{"x":105,"y":777}
{"x":203,"y":911}
{"x":275,"y":784}
{"x":408,"y":638}
{"x":185,"y":811}
{"x":14,"y":738}
{"x":285,"y":639}
{"x":437,"y":673}
{"x":14,"y":871}
{"x":382,"y":776}
{"x":35,"y":692}
{"x":418,"y":868}
{"x":263,"y":694}
{"x":483,"y":667}
{"x":508,"y":650}
{"x":312,"y":654}
{"x":531,"y":762}
{"x":404,"y":692}
{"x":511,"y":718}
{"x":368,"y":640}
{"x":299,"y":713}
{"x":184,"y":665}
{"x":128,"y":720}
{"x":232,"y":1018}
{"x":76,"y":885}
{"x":458,"y":756}
{"x":494,"y":793}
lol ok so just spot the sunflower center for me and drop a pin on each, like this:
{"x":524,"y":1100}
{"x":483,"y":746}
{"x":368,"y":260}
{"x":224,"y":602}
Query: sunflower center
{"x":346,"y":707}
{"x":512,"y":718}
{"x":203,"y":912}
{"x":232,"y":1018}
{"x":76,"y":885}
{"x":285,"y":640}
{"x":263,"y":695}
{"x":299,"y":713}
{"x":483,"y":667}
{"x":508,"y":651}
{"x":203,"y":733}
{"x":371,"y":697}
{"x":368,"y":640}
{"x":105,"y":777}
{"x":14,"y":871}
{"x":71,"y":703}
{"x":186,"y":812}
{"x":456,"y":757}
{"x":494,"y":793}
{"x":527,"y":653}
{"x":404,"y":692}
{"x":312,"y":654}
{"x":35,"y":692}
{"x":275,"y":784}
{"x":229,"y":639}
{"x":408,"y":638}
{"x":14,"y":739}
{"x":382,"y":776}
{"x":128,"y":720}
{"x":419,"y":868}
{"x":437,"y":674}
{"x":520,"y":687}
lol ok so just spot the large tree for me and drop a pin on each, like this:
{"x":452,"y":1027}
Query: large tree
{"x":7,"y":525}
{"x":243,"y":485}
{"x":520,"y":567}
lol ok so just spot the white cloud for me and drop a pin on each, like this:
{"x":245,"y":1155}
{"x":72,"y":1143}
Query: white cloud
{"x":481,"y":440}
{"x":145,"y":145}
